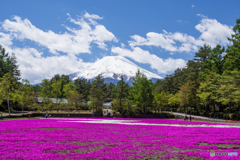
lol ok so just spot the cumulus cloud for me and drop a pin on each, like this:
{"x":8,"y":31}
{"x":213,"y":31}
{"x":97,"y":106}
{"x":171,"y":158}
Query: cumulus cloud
{"x":154,"y":39}
{"x":33,"y":65}
{"x":143,"y":56}
{"x":5,"y":39}
{"x":78,"y":38}
{"x":212,"y":33}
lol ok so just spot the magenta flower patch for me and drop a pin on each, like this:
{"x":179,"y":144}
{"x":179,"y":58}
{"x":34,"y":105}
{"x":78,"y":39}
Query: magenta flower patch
{"x":67,"y":138}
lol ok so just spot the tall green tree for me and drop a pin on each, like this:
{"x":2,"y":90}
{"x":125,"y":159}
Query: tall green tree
{"x":24,"y":94}
{"x":217,"y":59}
{"x":160,"y":100}
{"x":46,"y":89}
{"x":98,"y":92}
{"x":120,"y":92}
{"x":8,"y":64}
{"x":83,"y":87}
{"x":7,"y":89}
{"x":56,"y":91}
{"x":110,"y":87}
{"x":232,"y":58}
{"x":141,"y":92}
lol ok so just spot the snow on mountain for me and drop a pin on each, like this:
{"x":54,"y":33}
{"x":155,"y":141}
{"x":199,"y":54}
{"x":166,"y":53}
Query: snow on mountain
{"x":111,"y":68}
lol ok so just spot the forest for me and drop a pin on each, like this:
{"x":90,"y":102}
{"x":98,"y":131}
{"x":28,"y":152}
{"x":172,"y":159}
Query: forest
{"x":209,"y":85}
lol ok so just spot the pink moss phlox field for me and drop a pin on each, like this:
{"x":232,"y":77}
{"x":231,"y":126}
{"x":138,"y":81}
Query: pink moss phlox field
{"x":61,"y":139}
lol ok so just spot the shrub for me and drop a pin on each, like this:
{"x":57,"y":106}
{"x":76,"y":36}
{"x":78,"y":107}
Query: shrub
{"x":232,"y":116}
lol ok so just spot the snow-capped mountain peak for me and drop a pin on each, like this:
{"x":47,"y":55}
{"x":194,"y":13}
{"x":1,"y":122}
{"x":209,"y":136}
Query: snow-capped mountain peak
{"x":111,"y":67}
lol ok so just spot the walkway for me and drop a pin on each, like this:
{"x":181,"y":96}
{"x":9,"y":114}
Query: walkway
{"x":196,"y":117}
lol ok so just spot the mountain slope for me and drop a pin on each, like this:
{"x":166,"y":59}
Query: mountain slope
{"x":111,"y":68}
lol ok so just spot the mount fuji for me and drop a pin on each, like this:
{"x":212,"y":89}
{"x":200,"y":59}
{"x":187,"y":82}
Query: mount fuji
{"x":111,"y":68}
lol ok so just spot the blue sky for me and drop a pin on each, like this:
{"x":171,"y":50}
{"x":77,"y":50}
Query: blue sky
{"x":58,"y":37}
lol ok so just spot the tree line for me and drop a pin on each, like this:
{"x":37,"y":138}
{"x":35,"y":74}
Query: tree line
{"x":208,"y":86}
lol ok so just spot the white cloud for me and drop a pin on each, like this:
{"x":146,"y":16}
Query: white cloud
{"x":5,"y":39}
{"x":212,"y":33}
{"x":143,"y":56}
{"x":34,"y":67}
{"x":154,"y":39}
{"x":193,"y":6}
{"x":79,"y":39}
{"x":92,"y":16}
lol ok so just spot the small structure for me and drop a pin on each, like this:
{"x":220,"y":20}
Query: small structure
{"x":54,"y":100}
{"x":107,"y":113}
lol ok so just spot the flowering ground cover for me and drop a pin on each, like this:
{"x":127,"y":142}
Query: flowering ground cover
{"x":96,"y":138}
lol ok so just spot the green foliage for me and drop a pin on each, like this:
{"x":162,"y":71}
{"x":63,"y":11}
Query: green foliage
{"x":7,"y":89}
{"x":45,"y":88}
{"x":8,"y":64}
{"x":98,"y":92}
{"x":126,"y":107}
{"x":120,"y":92}
{"x":68,"y":89}
{"x":24,"y":94}
{"x":83,"y":87}
{"x":76,"y":99}
{"x":232,"y":58}
{"x":141,"y":92}
{"x":160,"y":100}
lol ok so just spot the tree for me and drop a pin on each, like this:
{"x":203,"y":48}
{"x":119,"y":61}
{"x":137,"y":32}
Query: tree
{"x":46,"y":88}
{"x":120,"y":92}
{"x":37,"y":89}
{"x":8,"y":64}
{"x":126,"y":108}
{"x":68,"y":89}
{"x":24,"y":94}
{"x":45,"y":92}
{"x":77,"y":100}
{"x":83,"y":87}
{"x":184,"y":94}
{"x":7,"y":91}
{"x":141,"y":91}
{"x":202,"y":54}
{"x":174,"y":100}
{"x":98,"y":92}
{"x":73,"y":97}
{"x":64,"y":80}
{"x":216,"y":57}
{"x":160,"y":100}
{"x":110,"y":87}
{"x":232,"y":58}
{"x":56,"y":91}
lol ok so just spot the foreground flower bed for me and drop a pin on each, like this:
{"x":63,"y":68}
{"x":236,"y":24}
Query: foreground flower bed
{"x":70,"y":139}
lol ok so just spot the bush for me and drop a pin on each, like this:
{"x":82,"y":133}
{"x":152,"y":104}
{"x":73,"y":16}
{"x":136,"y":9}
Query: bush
{"x":232,"y":116}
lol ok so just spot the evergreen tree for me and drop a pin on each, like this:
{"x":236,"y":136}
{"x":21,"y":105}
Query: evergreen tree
{"x":232,"y":58}
{"x":24,"y":94}
{"x":8,"y":64}
{"x":98,"y":92}
{"x":7,"y":89}
{"x":141,"y":92}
